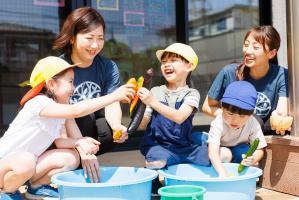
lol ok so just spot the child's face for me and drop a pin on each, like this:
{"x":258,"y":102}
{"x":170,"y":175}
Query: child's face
{"x":254,"y":53}
{"x":233,"y":120}
{"x":174,"y":69}
{"x":63,"y":87}
{"x":87,"y":45}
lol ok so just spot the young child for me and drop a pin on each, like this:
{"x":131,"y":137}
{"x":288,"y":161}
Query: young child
{"x":232,"y":131}
{"x":170,"y":110}
{"x":47,"y":117}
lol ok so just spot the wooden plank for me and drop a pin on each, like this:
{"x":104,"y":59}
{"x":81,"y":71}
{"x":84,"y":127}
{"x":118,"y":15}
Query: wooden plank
{"x":283,"y":140}
{"x":281,"y":168}
{"x":281,"y":176}
{"x":283,"y":153}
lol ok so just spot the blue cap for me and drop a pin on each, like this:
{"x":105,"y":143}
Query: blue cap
{"x":241,"y":94}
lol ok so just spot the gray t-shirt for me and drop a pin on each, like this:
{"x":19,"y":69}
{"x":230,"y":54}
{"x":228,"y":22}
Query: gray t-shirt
{"x":220,"y":134}
{"x":161,"y":93}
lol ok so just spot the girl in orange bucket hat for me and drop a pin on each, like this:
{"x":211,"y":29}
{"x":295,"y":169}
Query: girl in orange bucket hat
{"x":47,"y":117}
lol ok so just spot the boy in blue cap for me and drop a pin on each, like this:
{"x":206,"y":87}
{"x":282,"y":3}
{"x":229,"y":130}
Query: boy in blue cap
{"x":232,"y":131}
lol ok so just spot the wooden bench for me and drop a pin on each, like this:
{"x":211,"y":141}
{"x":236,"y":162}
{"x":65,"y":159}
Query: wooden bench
{"x":281,"y":164}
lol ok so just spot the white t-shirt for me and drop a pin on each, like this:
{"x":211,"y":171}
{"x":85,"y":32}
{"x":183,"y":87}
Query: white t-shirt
{"x":220,"y":133}
{"x":30,"y":132}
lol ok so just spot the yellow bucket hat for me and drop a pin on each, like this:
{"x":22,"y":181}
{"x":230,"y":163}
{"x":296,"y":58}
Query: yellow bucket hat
{"x":47,"y":68}
{"x":44,"y":70}
{"x":183,"y":50}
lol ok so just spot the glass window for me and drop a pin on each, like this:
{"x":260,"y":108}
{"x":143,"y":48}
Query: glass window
{"x":134,"y":31}
{"x":27,"y":30}
{"x":216,"y":32}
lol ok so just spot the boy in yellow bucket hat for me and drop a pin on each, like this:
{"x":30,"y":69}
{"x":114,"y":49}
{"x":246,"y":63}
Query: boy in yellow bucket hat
{"x":47,"y":117}
{"x":170,"y":110}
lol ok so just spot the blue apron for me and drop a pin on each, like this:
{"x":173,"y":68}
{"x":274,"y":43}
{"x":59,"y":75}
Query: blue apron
{"x":172,"y":142}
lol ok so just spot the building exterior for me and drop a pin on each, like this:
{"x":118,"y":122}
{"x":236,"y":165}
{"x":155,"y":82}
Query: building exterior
{"x":136,"y":29}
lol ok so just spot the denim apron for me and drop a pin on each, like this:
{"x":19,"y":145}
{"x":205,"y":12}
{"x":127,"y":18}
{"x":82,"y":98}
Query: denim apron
{"x":172,"y":142}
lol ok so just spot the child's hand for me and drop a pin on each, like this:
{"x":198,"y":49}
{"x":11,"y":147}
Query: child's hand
{"x":249,"y":161}
{"x":125,"y":92}
{"x":145,"y":96}
{"x":223,"y":174}
{"x":88,"y":145}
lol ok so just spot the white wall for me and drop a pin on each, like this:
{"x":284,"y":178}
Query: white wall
{"x":280,"y":23}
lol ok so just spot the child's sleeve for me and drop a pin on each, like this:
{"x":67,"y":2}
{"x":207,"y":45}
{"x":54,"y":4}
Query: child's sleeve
{"x":38,"y":103}
{"x":148,"y":112}
{"x":192,"y":99}
{"x":215,"y":132}
{"x":257,"y":133}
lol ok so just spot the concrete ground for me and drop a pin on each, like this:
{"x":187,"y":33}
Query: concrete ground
{"x":134,"y":158}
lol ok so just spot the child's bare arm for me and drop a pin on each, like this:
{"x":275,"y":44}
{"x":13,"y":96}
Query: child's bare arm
{"x":257,"y":156}
{"x":88,"y":106}
{"x":144,"y":122}
{"x":176,"y":115}
{"x":214,"y":155}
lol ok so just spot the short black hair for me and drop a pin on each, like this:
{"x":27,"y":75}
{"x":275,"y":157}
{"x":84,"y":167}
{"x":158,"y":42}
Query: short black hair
{"x":236,"y":110}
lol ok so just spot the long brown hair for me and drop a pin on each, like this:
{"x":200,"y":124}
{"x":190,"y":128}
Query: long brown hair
{"x":265,"y":35}
{"x":81,"y":20}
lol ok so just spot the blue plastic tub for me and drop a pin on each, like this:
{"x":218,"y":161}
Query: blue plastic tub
{"x":117,"y":183}
{"x":237,"y":186}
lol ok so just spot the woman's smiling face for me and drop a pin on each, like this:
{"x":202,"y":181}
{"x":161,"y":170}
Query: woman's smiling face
{"x":255,"y":54}
{"x":87,"y":45}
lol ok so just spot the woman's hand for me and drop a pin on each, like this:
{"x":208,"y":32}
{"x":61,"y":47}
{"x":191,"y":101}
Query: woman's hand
{"x":88,"y":145}
{"x":91,"y":167}
{"x":124,"y":135}
{"x":280,"y":123}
